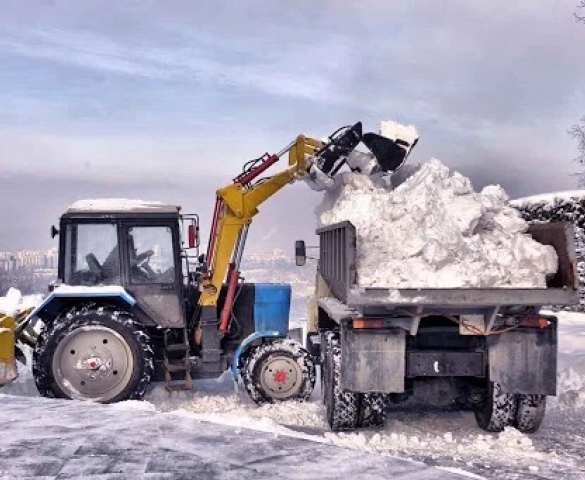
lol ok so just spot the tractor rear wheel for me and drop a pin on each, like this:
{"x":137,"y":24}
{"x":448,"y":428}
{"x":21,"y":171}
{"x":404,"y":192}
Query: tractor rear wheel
{"x":497,"y":410}
{"x":96,"y":353}
{"x":279,"y":370}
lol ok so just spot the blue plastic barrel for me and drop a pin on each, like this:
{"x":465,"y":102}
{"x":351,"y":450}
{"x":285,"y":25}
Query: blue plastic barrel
{"x":272,"y":307}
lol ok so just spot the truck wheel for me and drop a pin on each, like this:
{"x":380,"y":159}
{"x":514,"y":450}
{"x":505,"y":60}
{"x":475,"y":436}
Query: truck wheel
{"x":343,"y":407}
{"x":372,"y":410}
{"x":326,"y":338}
{"x":279,"y":370}
{"x":530,"y":412}
{"x":94,"y":353}
{"x":497,"y":410}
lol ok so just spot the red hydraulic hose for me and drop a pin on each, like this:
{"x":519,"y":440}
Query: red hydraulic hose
{"x":252,"y":174}
{"x":213,"y":233}
{"x":233,"y":276}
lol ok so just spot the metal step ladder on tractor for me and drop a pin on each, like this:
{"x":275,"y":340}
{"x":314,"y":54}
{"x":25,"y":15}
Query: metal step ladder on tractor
{"x":176,"y":362}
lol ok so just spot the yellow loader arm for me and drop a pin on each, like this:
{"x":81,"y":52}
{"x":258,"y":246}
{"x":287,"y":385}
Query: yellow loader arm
{"x":236,"y":205}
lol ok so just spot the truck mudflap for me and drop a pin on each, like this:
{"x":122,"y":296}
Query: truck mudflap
{"x":8,"y":369}
{"x":524,"y":360}
{"x":373,"y":360}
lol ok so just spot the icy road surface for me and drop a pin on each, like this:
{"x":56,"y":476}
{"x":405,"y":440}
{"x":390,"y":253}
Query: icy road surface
{"x":437,"y":437}
{"x":47,"y":439}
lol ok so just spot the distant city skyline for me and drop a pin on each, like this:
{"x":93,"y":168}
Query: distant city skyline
{"x":28,"y":259}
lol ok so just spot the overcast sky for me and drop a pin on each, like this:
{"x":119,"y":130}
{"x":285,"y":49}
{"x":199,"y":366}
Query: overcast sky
{"x":167,"y":99}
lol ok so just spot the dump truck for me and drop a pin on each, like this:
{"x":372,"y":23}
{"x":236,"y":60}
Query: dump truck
{"x":135,"y":301}
{"x":490,"y":350}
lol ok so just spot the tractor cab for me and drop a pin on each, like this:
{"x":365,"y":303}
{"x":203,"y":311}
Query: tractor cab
{"x":135,"y":245}
{"x":125,"y":311}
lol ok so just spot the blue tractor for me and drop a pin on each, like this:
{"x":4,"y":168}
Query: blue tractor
{"x":134,"y":300}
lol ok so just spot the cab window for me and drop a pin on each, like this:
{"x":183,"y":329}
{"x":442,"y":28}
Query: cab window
{"x":150,"y":254}
{"x":92,"y":254}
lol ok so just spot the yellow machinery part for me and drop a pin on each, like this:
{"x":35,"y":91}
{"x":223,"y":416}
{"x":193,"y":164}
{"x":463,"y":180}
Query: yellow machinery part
{"x":8,"y":370}
{"x":240,"y":205}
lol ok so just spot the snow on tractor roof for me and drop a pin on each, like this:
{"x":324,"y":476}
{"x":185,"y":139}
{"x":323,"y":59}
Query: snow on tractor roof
{"x":121,"y":205}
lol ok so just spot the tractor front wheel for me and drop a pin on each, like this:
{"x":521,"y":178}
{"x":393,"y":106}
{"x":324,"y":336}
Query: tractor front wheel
{"x":279,"y":370}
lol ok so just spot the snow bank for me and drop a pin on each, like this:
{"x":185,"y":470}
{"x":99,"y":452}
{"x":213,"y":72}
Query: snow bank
{"x":571,"y":389}
{"x":568,"y":206}
{"x":509,"y":440}
{"x":213,"y":402}
{"x":550,"y":198}
{"x":14,"y":303}
{"x":433,"y":230}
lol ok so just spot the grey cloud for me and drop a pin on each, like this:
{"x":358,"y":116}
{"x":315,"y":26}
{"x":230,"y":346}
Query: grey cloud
{"x":468,"y":62}
{"x":493,"y":87}
{"x":37,"y":202}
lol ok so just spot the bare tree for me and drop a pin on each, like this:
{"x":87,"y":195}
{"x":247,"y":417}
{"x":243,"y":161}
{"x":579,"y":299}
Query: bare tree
{"x":580,"y":14}
{"x":577,"y":131}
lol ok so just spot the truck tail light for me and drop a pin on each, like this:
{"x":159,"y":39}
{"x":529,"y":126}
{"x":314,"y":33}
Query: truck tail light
{"x":368,"y":323}
{"x":534,"y":322}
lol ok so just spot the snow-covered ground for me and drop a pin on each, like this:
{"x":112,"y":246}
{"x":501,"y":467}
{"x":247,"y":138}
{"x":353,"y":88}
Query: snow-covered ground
{"x":58,"y":439}
{"x":434,"y":436}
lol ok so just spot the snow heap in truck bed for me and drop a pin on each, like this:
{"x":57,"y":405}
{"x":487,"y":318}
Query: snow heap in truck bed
{"x":434,"y":231}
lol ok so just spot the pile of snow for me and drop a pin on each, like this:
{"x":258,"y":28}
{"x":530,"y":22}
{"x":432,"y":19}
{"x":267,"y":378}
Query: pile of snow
{"x":566,"y":206}
{"x":571,"y":388}
{"x":549,"y":199}
{"x":510,"y":440}
{"x":215,"y":400}
{"x":14,"y":302}
{"x":433,"y":230}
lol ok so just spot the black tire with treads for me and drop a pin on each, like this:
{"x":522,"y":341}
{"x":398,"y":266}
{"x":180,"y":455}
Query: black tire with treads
{"x":258,"y":357}
{"x":497,"y":410}
{"x":343,"y":407}
{"x":87,"y":315}
{"x":530,"y":412}
{"x":372,"y":410}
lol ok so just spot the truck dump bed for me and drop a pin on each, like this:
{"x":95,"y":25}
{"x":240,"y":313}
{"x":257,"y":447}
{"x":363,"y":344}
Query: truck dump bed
{"x":338,"y":268}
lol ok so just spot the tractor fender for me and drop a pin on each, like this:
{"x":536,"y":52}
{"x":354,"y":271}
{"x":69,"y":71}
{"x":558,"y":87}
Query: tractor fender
{"x":63,"y":295}
{"x":246,"y":343}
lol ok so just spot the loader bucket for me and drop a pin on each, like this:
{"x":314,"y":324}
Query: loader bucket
{"x":8,"y":370}
{"x":390,"y":154}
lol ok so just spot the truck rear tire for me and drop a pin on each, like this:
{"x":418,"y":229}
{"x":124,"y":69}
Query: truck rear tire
{"x":372,"y":410}
{"x":497,"y":410}
{"x":325,"y":353}
{"x":96,"y":353}
{"x":343,"y":407}
{"x":279,"y":370}
{"x":530,"y":412}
